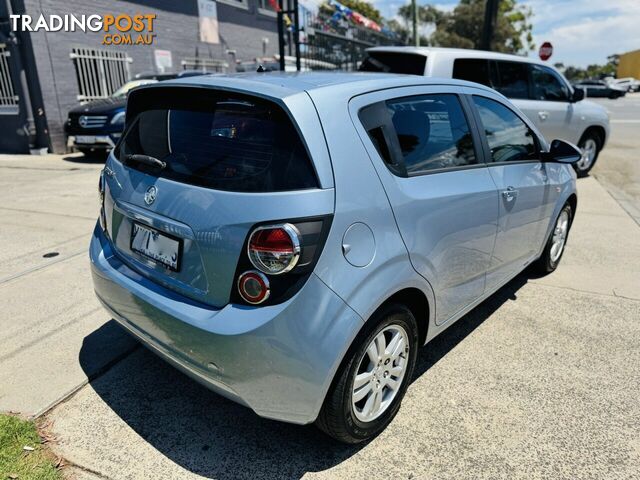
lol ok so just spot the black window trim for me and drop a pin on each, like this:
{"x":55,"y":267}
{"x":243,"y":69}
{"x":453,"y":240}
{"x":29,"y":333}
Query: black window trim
{"x":485,"y":142}
{"x":468,"y":112}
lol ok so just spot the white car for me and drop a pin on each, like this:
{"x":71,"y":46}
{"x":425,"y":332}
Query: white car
{"x":539,"y":90}
{"x":628,"y":84}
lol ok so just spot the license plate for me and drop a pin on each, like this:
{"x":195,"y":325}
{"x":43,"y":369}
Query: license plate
{"x":86,"y":139}
{"x":157,"y":246}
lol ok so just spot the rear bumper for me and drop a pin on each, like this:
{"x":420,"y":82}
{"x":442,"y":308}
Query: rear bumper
{"x":278,"y":360}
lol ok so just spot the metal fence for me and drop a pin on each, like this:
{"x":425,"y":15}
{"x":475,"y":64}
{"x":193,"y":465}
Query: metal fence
{"x":99,"y":72}
{"x":205,"y":64}
{"x":8,"y":97}
{"x":340,"y":43}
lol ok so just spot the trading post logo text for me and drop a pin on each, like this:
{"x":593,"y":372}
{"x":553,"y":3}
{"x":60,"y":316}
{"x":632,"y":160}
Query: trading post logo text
{"x":118,"y":29}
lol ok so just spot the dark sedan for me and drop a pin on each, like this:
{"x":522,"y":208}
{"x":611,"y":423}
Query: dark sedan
{"x":600,"y":88}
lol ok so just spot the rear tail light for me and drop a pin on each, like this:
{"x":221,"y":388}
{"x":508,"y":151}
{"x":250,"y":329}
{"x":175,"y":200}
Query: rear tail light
{"x":278,"y":259}
{"x":274,"y":249}
{"x":253,"y":287}
{"x":102,"y":218}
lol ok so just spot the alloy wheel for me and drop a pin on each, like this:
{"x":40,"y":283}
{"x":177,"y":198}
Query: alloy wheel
{"x":380,"y":373}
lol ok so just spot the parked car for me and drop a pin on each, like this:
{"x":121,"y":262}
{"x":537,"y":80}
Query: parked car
{"x":629,"y":84}
{"x":290,"y":241}
{"x":96,"y":126}
{"x":601,"y":88}
{"x":539,"y":90}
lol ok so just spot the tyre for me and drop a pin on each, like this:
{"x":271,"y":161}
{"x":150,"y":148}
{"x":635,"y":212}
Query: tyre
{"x":366,"y":393}
{"x":553,"y":250}
{"x":590,"y":145}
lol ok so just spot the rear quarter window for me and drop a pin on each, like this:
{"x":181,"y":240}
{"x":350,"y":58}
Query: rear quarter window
{"x":394,"y":62}
{"x":216,"y":140}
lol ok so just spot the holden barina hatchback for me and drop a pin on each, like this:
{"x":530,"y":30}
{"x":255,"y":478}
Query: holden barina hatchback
{"x":290,"y":241}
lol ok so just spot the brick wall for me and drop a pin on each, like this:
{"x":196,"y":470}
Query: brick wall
{"x":176,"y":27}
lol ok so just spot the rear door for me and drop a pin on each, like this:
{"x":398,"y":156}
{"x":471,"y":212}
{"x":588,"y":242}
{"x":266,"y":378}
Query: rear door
{"x":428,"y":156}
{"x":523,"y":186}
{"x":232,"y":161}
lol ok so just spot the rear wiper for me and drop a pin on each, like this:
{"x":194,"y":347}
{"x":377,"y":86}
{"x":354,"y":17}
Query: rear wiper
{"x":146,"y":159}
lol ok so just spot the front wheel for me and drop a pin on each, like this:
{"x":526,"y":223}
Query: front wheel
{"x":553,"y":250}
{"x":590,"y":145}
{"x":368,"y":389}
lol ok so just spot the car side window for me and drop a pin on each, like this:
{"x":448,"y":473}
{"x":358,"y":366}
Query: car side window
{"x":432,"y":132}
{"x":473,"y":70}
{"x":547,"y":85}
{"x":513,"y":79}
{"x":509,"y":138}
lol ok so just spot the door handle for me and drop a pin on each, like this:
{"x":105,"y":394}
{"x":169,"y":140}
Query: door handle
{"x":543,"y":115}
{"x":509,"y":194}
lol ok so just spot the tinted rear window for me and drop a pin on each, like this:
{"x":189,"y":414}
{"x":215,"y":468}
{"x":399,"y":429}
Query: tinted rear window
{"x":394,"y":62}
{"x":473,"y":70}
{"x":234,"y":143}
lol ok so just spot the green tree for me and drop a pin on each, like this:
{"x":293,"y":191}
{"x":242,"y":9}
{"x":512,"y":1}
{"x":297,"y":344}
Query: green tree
{"x":462,"y":27}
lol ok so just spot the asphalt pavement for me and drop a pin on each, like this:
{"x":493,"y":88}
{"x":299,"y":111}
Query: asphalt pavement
{"x":540,"y":381}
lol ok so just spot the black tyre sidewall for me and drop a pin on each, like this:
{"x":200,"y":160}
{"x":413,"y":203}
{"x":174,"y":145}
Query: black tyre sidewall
{"x":549,"y":266}
{"x":391,"y":315}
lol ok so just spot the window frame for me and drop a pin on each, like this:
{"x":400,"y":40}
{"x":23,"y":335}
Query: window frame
{"x":538,"y":144}
{"x":241,"y":4}
{"x":397,"y":157}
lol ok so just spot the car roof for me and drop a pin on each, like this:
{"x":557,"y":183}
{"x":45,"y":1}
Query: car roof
{"x":457,"y":52}
{"x":280,"y":85}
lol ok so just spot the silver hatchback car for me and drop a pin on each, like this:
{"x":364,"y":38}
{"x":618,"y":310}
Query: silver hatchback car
{"x":290,"y":241}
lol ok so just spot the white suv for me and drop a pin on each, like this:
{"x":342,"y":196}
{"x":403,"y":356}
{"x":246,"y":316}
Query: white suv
{"x":539,"y":90}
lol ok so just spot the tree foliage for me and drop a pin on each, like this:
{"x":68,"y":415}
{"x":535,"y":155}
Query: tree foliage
{"x":592,"y":71}
{"x":462,"y":27}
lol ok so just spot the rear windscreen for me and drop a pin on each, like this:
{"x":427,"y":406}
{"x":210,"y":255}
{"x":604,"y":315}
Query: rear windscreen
{"x":217,"y":141}
{"x":394,"y":62}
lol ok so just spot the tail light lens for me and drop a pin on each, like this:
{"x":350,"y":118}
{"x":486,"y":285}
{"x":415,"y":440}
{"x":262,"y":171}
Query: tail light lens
{"x":274,"y":249}
{"x":103,"y":222}
{"x":278,"y":259}
{"x":253,"y":287}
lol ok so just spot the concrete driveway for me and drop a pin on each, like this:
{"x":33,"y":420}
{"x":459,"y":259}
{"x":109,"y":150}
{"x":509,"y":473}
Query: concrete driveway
{"x":540,"y":381}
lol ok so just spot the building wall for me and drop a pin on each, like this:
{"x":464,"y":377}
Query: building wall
{"x":176,"y":29}
{"x":629,"y":65}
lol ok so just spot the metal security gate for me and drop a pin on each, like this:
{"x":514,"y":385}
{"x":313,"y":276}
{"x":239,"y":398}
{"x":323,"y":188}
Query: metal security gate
{"x":99,"y":72}
{"x":8,"y":97}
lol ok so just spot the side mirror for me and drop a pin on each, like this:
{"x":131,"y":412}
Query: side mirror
{"x":578,"y":94}
{"x":562,"y":152}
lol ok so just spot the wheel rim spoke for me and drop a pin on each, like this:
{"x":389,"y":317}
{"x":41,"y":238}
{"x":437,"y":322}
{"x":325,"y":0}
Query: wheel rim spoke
{"x":380,"y":373}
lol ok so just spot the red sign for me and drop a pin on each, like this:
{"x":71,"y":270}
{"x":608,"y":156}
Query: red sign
{"x":546,"y":50}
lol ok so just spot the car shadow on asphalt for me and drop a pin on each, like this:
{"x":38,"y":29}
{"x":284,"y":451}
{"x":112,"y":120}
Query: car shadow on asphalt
{"x":96,"y":158}
{"x":216,"y":438}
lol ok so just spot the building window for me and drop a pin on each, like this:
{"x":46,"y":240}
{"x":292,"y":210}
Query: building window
{"x":205,"y":64}
{"x":99,"y":72}
{"x":8,"y":97}
{"x":236,"y":3}
{"x":268,"y":7}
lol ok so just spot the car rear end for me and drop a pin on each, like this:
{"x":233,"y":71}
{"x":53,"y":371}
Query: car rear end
{"x":213,"y":215}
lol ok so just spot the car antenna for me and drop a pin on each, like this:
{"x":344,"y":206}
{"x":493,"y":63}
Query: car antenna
{"x":261,"y":69}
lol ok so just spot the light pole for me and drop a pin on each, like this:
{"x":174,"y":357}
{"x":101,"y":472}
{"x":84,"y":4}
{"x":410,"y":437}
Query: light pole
{"x":414,"y":10}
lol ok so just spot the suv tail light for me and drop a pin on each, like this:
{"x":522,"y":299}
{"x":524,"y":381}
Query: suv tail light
{"x":278,"y":258}
{"x":274,"y":249}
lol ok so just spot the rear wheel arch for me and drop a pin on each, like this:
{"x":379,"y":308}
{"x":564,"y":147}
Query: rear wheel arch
{"x":416,"y":301}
